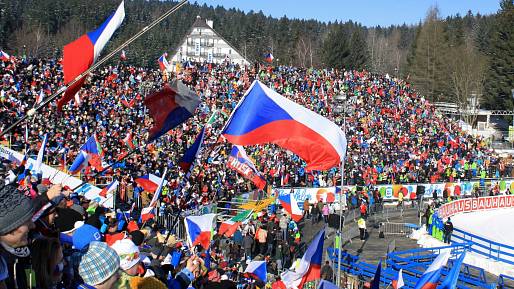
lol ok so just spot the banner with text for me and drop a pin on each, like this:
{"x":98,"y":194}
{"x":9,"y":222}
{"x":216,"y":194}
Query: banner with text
{"x":475,"y":204}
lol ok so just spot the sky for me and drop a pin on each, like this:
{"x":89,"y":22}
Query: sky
{"x":366,"y":12}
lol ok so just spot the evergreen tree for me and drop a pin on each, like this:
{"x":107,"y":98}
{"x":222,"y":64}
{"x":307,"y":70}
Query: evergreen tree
{"x":500,"y":78}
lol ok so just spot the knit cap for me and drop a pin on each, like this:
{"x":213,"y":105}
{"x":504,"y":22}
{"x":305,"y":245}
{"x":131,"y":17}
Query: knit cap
{"x":15,"y":209}
{"x":98,"y":264}
{"x":146,"y":283}
{"x":128,"y":253}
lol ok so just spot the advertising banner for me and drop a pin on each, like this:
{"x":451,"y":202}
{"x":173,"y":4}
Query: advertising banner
{"x":475,"y":204}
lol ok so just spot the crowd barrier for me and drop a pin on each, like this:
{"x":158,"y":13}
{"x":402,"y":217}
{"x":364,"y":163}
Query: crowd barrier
{"x":487,"y":248}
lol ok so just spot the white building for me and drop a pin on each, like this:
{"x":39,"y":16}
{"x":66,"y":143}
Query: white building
{"x":202,"y":43}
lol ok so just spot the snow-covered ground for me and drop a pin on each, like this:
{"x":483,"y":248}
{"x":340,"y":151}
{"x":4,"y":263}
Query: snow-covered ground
{"x":495,"y":225}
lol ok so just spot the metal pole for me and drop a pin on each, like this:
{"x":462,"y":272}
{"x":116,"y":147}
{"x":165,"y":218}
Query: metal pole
{"x":341,"y":194}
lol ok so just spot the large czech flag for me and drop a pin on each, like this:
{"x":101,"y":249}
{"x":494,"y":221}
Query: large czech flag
{"x":309,"y":268}
{"x":170,"y":107}
{"x":264,"y":116}
{"x":4,"y":56}
{"x":290,"y":204}
{"x":199,"y":229}
{"x":430,"y":279}
{"x":83,"y":52}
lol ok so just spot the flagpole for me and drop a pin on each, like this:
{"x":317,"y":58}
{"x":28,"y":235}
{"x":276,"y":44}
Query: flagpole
{"x":45,"y":102}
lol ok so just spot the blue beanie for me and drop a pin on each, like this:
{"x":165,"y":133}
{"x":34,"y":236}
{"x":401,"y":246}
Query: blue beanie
{"x":85,"y":235}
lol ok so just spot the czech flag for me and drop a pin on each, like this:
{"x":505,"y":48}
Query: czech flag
{"x":264,"y":116}
{"x":163,"y":63}
{"x":398,"y":282}
{"x":80,"y":162}
{"x":40,"y":156}
{"x":268,"y":58}
{"x":239,"y":161}
{"x":148,"y":182}
{"x":198,"y":229}
{"x":186,"y":163}
{"x":109,"y":189}
{"x":129,"y":142}
{"x":94,"y":150}
{"x":83,"y":52}
{"x":4,"y":56}
{"x":123,"y":56}
{"x":309,"y":267}
{"x":170,"y":107}
{"x":148,"y":212}
{"x":451,"y":279}
{"x":430,"y":278}
{"x":290,"y":204}
{"x":257,"y":270}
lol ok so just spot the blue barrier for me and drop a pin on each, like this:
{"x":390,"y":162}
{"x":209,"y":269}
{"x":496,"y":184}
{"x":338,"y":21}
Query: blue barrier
{"x":413,"y":262}
{"x":501,"y":281}
{"x":490,"y":249}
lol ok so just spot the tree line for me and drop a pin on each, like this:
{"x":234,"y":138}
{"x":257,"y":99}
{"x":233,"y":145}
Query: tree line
{"x":456,"y":59}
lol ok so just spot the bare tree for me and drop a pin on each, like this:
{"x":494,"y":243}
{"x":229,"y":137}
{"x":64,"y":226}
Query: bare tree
{"x":467,"y":76}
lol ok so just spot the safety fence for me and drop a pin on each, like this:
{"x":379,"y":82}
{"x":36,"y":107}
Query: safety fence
{"x":401,"y":229}
{"x":487,"y":248}
{"x":414,"y":263}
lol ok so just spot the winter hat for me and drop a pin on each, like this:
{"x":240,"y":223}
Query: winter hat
{"x":42,"y":189}
{"x":66,"y":219}
{"x":128,"y":252}
{"x":98,"y":264}
{"x":15,"y":209}
{"x":146,"y":283}
{"x":137,"y":237}
{"x":85,"y":235}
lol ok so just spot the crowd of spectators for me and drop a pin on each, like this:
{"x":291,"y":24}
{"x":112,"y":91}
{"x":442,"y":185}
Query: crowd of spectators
{"x":394,"y":136}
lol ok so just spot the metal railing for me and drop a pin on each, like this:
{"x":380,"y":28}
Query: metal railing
{"x":490,"y":249}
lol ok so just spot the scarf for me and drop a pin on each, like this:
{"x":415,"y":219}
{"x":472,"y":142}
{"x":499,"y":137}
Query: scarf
{"x":20,"y":252}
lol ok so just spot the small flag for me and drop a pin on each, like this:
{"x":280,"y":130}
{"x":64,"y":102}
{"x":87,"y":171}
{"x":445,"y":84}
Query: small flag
{"x":198,"y":229}
{"x":123,"y":56}
{"x":40,"y":97}
{"x":257,"y":270}
{"x":290,"y":204}
{"x":109,"y":189}
{"x":269,"y":57}
{"x":453,"y":276}
{"x":4,"y":56}
{"x":90,"y":153}
{"x":40,"y":156}
{"x":148,"y":212}
{"x":129,"y":142}
{"x":170,"y":107}
{"x":430,"y":278}
{"x":149,"y":182}
{"x":309,"y":268}
{"x":80,"y":54}
{"x":187,"y":161}
{"x":163,"y":63}
{"x":398,"y":282}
